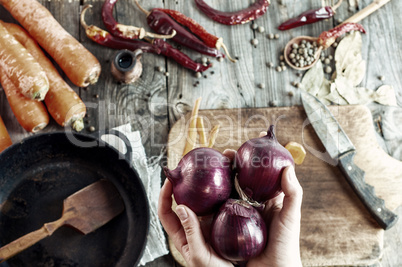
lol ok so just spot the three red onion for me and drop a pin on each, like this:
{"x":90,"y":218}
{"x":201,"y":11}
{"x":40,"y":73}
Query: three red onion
{"x":203,"y":182}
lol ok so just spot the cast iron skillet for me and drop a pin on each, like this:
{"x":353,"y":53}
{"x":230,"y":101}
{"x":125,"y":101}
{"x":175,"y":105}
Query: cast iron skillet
{"x":37,"y":174}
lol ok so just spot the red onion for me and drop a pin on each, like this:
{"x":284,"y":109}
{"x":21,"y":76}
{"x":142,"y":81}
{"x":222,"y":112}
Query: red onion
{"x":259,"y":163}
{"x":202,"y":180}
{"x":238,"y":231}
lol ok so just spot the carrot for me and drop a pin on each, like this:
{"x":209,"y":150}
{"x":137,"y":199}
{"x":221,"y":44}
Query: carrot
{"x":5,"y":140}
{"x":23,"y":70}
{"x":62,"y":102}
{"x":31,"y":115}
{"x":80,"y":66}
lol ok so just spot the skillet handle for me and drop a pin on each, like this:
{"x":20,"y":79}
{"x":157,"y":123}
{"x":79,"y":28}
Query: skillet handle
{"x":28,"y":240}
{"x":129,"y":153}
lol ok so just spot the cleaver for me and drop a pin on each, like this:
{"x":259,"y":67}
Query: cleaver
{"x":342,"y":151}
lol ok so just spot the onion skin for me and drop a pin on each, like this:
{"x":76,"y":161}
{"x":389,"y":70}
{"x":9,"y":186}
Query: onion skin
{"x":260,"y":163}
{"x":238,"y":231}
{"x":202,"y":180}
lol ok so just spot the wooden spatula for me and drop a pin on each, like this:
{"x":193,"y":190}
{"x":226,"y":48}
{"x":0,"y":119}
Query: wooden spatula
{"x":85,"y":210}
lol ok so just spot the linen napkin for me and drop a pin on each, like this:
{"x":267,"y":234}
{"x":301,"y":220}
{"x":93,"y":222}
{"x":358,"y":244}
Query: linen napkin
{"x":388,"y":125}
{"x":151,"y":179}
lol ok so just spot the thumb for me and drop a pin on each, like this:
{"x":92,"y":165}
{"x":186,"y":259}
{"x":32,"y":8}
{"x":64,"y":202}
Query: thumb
{"x":291,"y":210}
{"x":196,"y":244}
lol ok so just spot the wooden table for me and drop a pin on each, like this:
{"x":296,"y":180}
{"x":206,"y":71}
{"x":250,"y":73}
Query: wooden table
{"x":155,"y":102}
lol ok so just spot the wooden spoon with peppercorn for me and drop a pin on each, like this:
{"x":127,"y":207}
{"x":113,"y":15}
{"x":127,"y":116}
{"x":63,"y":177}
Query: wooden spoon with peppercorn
{"x":301,"y":53}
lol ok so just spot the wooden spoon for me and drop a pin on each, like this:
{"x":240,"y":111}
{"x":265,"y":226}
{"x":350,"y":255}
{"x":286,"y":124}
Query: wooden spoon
{"x":298,"y":40}
{"x":355,"y":18}
{"x":85,"y":210}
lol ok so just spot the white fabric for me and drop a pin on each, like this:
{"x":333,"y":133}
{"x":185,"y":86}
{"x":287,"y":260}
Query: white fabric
{"x":388,"y":125}
{"x":151,"y":179}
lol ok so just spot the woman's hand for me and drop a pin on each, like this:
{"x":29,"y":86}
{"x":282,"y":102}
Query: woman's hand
{"x":184,"y":229}
{"x":282,"y":215}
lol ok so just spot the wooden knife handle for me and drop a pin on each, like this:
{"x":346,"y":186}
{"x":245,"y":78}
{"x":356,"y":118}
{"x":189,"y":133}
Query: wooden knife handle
{"x":375,"y":205}
{"x":27,"y":240}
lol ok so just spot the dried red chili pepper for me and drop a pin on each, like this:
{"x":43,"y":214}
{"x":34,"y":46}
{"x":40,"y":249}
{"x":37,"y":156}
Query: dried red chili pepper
{"x":253,"y":12}
{"x":157,"y":46}
{"x":327,"y":38}
{"x":208,"y":38}
{"x":181,"y":58}
{"x":164,"y":24}
{"x":307,"y":17}
{"x":125,"y":31}
{"x":106,"y":39}
{"x":310,"y":16}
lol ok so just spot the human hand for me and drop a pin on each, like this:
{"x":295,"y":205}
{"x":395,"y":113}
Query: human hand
{"x":282,"y":216}
{"x":185,"y":231}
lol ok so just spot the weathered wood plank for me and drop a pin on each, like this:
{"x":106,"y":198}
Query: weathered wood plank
{"x":277,"y":84}
{"x":231,"y":85}
{"x":281,"y":82}
{"x":140,"y":103}
{"x":380,"y":48}
{"x":393,"y":241}
{"x":334,"y":221}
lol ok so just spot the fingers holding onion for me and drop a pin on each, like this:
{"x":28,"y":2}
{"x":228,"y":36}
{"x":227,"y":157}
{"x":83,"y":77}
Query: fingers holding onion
{"x":202,"y":180}
{"x":238,"y":231}
{"x":259,"y":164}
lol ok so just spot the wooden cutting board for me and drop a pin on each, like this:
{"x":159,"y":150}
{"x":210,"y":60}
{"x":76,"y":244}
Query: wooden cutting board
{"x":336,"y":229}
